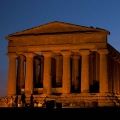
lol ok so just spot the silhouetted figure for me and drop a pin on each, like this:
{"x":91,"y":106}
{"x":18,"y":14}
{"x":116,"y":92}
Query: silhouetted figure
{"x":31,"y":100}
{"x":10,"y":103}
{"x":50,"y":104}
{"x":23,"y":97}
{"x":16,"y":101}
{"x":58,"y":105}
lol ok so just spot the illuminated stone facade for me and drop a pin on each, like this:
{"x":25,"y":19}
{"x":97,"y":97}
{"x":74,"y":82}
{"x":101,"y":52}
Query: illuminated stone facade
{"x":69,"y":63}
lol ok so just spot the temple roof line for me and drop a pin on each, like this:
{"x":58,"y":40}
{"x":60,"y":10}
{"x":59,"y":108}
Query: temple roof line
{"x":58,"y":28}
{"x":55,"y":33}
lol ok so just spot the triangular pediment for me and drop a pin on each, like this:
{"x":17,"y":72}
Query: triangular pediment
{"x":57,"y":27}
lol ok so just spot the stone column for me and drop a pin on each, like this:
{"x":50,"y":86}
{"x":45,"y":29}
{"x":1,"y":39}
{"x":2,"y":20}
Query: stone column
{"x":119,"y":76}
{"x":84,"y":71}
{"x":117,"y":67}
{"x":41,"y":71}
{"x":12,"y":74}
{"x":115,"y":76}
{"x":103,"y":71}
{"x":75,"y":70}
{"x":47,"y":83}
{"x":66,"y":83}
{"x":21,"y":74}
{"x":29,"y":74}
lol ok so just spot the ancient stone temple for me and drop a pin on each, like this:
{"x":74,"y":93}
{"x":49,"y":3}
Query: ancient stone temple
{"x":68,"y":63}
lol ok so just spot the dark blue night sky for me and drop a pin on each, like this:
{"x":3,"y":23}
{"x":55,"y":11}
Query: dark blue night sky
{"x":17,"y":15}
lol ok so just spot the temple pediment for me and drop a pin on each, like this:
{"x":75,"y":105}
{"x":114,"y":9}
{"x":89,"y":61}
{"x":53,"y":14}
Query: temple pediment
{"x":56,"y":28}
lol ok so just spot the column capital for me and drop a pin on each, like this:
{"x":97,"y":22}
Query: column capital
{"x":103,"y":51}
{"x":75,"y":51}
{"x":84,"y":52}
{"x":66,"y":53}
{"x":21,"y":56}
{"x":29,"y":55}
{"x":20,"y":53}
{"x":12,"y":55}
{"x":47,"y":54}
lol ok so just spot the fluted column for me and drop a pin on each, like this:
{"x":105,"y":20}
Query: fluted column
{"x":41,"y":71}
{"x":85,"y":71}
{"x":119,"y":76}
{"x":47,"y":83}
{"x":29,"y":73}
{"x":117,"y":67}
{"x":103,"y":71}
{"x":21,"y":74}
{"x":75,"y":69}
{"x":66,"y":83}
{"x":12,"y":74}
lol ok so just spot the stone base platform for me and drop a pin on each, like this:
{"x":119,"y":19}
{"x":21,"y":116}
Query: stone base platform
{"x":79,"y":100}
{"x":89,"y":100}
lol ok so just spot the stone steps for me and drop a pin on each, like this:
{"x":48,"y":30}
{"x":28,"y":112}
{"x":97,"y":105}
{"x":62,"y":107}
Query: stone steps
{"x":73,"y":100}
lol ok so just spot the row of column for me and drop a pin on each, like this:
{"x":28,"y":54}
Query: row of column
{"x":114,"y":75}
{"x":66,"y":82}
